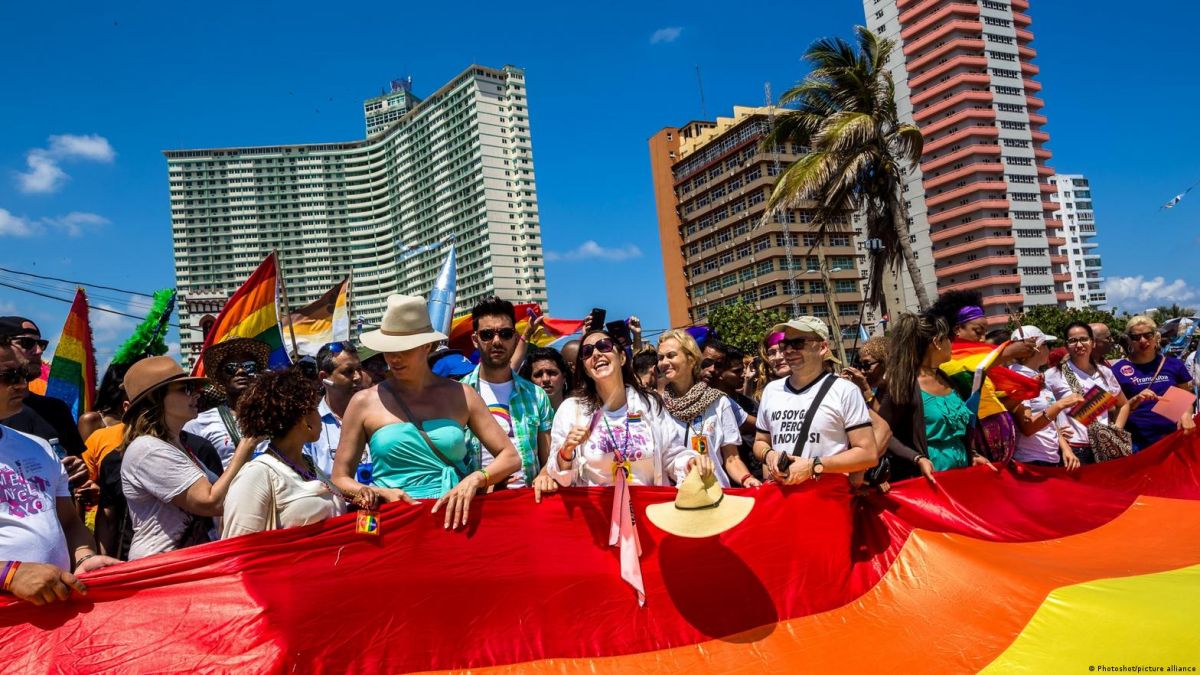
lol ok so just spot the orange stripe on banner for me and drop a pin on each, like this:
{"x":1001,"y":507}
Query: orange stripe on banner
{"x":946,"y":602}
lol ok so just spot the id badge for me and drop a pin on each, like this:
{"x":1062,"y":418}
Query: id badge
{"x":700,"y":445}
{"x":368,"y":523}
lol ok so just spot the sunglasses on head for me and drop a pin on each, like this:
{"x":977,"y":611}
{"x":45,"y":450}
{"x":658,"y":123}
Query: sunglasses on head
{"x":799,"y":343}
{"x":604,"y":346}
{"x":489,"y":334}
{"x":336,"y":348}
{"x":30,"y":343}
{"x":232,"y":367}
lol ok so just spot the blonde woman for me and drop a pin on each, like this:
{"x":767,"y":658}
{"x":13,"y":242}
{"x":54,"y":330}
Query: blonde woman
{"x":1144,"y":377}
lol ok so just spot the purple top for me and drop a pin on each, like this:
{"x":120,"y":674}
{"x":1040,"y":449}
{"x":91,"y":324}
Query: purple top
{"x":1145,"y":425}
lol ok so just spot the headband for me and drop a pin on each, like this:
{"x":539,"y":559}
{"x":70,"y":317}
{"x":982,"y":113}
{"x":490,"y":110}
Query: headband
{"x":968,"y":313}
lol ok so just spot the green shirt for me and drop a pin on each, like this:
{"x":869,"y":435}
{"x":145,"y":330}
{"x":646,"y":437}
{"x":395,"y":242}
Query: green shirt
{"x":531,"y":414}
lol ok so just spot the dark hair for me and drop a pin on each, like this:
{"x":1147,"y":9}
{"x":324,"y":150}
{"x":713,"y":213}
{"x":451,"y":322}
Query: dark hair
{"x":275,"y":402}
{"x":326,"y":355}
{"x":110,"y":397}
{"x":492,"y":306}
{"x":547,"y":354}
{"x":644,"y":360}
{"x":1092,"y":356}
{"x":912,"y":335}
{"x":729,"y":353}
{"x":947,"y":305}
{"x":997,"y":336}
{"x":585,"y":387}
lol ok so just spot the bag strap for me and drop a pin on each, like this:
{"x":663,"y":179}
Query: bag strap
{"x":429,"y":441}
{"x":230,"y":424}
{"x":826,"y":385}
{"x":1162,"y":362}
{"x":1069,"y":376}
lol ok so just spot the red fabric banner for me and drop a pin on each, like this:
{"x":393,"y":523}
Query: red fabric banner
{"x":814,"y":578}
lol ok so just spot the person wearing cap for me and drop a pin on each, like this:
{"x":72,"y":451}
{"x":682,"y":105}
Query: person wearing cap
{"x":43,"y":543}
{"x":171,"y":495}
{"x":341,"y":375}
{"x":416,"y":421}
{"x":450,"y":363}
{"x":45,"y":417}
{"x":1040,"y":418}
{"x":231,"y":365}
{"x":520,"y":407}
{"x":840,"y":437}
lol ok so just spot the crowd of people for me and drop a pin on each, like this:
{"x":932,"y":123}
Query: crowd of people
{"x":168,"y":460}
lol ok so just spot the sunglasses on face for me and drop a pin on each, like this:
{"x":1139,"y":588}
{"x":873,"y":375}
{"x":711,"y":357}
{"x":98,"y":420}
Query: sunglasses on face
{"x":489,"y":334}
{"x":867,"y":365}
{"x":186,"y":388}
{"x":604,"y":346}
{"x":1138,"y":337}
{"x":14,"y":376}
{"x":1078,"y":340}
{"x":232,"y":367}
{"x":30,"y":343}
{"x":798,"y":343}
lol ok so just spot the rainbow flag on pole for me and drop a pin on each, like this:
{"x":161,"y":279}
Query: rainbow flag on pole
{"x":252,"y":312}
{"x":72,"y":375}
{"x":326,"y":320}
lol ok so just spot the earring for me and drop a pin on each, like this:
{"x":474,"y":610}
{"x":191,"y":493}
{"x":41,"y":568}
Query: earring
{"x":308,"y":426}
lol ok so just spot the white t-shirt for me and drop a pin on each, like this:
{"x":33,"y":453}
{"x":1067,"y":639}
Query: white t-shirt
{"x":268,"y":494}
{"x":209,"y":426}
{"x":153,"y":472}
{"x":497,"y":396}
{"x":1042,"y":446}
{"x":1058,"y":385}
{"x":718,"y":426}
{"x":641,"y":430}
{"x":783,"y":409}
{"x":31,"y":480}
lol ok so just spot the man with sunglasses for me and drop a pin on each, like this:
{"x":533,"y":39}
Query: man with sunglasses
{"x":41,"y":536}
{"x":45,"y":417}
{"x":828,"y":411}
{"x":521,"y":407}
{"x":341,"y":375}
{"x":231,"y":366}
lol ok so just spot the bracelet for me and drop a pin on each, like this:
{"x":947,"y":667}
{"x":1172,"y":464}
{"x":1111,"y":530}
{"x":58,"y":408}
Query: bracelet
{"x":10,"y":571}
{"x":81,"y":560}
{"x":567,"y":458}
{"x":487,"y":480}
{"x":745,"y":478}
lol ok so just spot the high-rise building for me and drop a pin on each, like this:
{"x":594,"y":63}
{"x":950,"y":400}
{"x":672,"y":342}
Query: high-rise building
{"x":1074,"y":198}
{"x":711,"y":183}
{"x":978,"y":201}
{"x":457,"y":165}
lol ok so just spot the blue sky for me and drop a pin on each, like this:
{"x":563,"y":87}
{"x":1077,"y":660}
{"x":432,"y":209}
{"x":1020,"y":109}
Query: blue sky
{"x":93,"y":94}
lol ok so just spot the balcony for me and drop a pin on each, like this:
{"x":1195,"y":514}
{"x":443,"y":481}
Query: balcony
{"x":969,"y":188}
{"x":974,"y":266}
{"x":982,"y":282}
{"x":970,"y":207}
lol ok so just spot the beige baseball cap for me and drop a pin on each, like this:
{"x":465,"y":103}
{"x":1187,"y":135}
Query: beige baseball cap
{"x":803,"y":324}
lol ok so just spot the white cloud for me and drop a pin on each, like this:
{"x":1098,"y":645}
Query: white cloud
{"x":668,"y":34}
{"x":44,"y":174}
{"x":14,"y":226}
{"x":76,"y":222}
{"x":591,"y":250}
{"x":1134,"y":294}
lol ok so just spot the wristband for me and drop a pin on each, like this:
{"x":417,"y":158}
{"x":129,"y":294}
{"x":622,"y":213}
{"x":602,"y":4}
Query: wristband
{"x":10,"y":571}
{"x":567,"y":458}
{"x":745,"y":478}
{"x":81,"y":560}
{"x":487,"y":480}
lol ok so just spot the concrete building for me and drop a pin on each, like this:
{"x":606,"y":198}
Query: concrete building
{"x":978,"y":202}
{"x":711,"y":183}
{"x":1074,"y":198}
{"x":457,"y":164}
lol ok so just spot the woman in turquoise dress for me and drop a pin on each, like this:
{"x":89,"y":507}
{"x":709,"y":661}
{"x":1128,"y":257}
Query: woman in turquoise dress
{"x":415,"y":422}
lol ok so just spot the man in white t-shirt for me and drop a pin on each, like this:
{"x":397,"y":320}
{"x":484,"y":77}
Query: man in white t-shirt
{"x":520,"y":407}
{"x":839,"y":436}
{"x":41,"y":535}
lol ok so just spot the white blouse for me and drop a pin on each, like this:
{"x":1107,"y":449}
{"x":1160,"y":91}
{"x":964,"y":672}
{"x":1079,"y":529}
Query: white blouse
{"x":269,"y":495}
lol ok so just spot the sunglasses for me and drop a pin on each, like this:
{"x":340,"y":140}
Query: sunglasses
{"x":30,"y":343}
{"x":1078,"y":341}
{"x":604,"y":346}
{"x":489,"y":334}
{"x":799,"y":343}
{"x":13,"y":376}
{"x":867,"y":364}
{"x":1138,"y":337}
{"x":232,"y":367}
{"x":187,"y":388}
{"x":336,"y":348}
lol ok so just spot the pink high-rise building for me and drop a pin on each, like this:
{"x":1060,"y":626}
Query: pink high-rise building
{"x":981,"y":216}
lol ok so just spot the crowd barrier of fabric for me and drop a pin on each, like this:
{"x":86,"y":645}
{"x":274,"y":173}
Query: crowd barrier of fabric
{"x":1027,"y":568}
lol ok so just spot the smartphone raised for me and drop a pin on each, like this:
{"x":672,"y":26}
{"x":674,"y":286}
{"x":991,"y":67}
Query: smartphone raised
{"x":620,"y":332}
{"x":598,"y":316}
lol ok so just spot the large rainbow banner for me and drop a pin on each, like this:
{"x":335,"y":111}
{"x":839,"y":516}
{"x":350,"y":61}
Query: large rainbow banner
{"x":1027,"y":569}
{"x":252,"y":312}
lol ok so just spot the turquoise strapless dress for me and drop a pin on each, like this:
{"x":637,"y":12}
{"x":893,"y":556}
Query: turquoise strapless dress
{"x":402,"y":459}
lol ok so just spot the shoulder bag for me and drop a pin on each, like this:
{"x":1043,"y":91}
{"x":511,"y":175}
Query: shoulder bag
{"x":429,"y":441}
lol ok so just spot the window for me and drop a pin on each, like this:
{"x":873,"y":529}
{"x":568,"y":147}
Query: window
{"x":767,"y":291}
{"x":746,"y":274}
{"x":839,"y":240}
{"x":845,"y":286}
{"x":1032,"y":252}
{"x":810,"y":239}
{"x":1024,"y":196}
{"x":1010,"y":107}
{"x":1019,"y":161}
{"x":1025,"y":215}
{"x":1002,"y":56}
{"x":1039,"y":290}
{"x":817,"y":287}
{"x":1017,"y":178}
{"x":1035,"y":270}
{"x":999,"y":39}
{"x":1028,"y":234}
{"x":994,"y":21}
{"x":1014,"y":143}
{"x":1009,"y":91}
{"x":820,"y":310}
{"x":765,"y":267}
{"x":1001,"y":72}
{"x":847,"y":309}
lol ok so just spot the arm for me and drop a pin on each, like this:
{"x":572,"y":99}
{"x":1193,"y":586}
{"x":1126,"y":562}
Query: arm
{"x":518,"y":357}
{"x":736,"y":469}
{"x":203,"y":498}
{"x":860,"y":456}
{"x":88,"y":423}
{"x":1030,"y":422}
{"x":635,"y":330}
{"x":249,"y":502}
{"x":458,"y":500}
{"x":79,"y":540}
{"x":350,"y":449}
{"x":543,"y":447}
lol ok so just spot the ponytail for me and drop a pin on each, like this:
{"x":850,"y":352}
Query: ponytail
{"x":912,"y":336}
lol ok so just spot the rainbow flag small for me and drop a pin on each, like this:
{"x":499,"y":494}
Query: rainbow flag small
{"x":325,"y":320}
{"x":550,"y":330}
{"x":72,"y":375}
{"x":252,"y":312}
{"x":973,"y":372}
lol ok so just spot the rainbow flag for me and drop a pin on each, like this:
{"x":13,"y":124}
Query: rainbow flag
{"x":252,"y":312}
{"x":981,"y":383}
{"x":72,"y":375}
{"x":325,"y":320}
{"x":550,"y":330}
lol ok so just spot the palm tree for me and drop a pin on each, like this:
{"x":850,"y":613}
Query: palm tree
{"x":845,"y":113}
{"x":1164,"y":313}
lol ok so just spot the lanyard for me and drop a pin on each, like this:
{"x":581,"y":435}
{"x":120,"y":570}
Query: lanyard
{"x":621,"y":457}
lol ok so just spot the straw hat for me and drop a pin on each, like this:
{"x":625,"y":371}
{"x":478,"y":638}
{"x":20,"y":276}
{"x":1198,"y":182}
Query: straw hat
{"x":215,"y":355}
{"x":700,"y":509}
{"x":405,"y":326}
{"x":151,"y":374}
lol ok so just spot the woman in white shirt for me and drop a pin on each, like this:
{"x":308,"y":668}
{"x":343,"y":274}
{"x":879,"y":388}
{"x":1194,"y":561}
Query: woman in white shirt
{"x":282,"y":487}
{"x":702,"y":415}
{"x":612,"y":424}
{"x":1038,"y":419}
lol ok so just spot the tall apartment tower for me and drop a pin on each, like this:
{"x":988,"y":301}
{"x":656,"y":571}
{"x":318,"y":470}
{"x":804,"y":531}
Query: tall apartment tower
{"x":1073,"y":194}
{"x":383,"y":110}
{"x":457,"y":165}
{"x":980,"y":214}
{"x":711,"y":183}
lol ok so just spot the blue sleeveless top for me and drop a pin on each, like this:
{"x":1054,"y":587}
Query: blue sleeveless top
{"x":402,"y":459}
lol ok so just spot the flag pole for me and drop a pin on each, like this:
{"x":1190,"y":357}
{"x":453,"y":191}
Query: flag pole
{"x":287,"y":310}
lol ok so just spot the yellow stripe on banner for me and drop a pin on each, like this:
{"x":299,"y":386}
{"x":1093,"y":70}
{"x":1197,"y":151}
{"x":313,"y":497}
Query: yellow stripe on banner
{"x":1146,"y":620}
